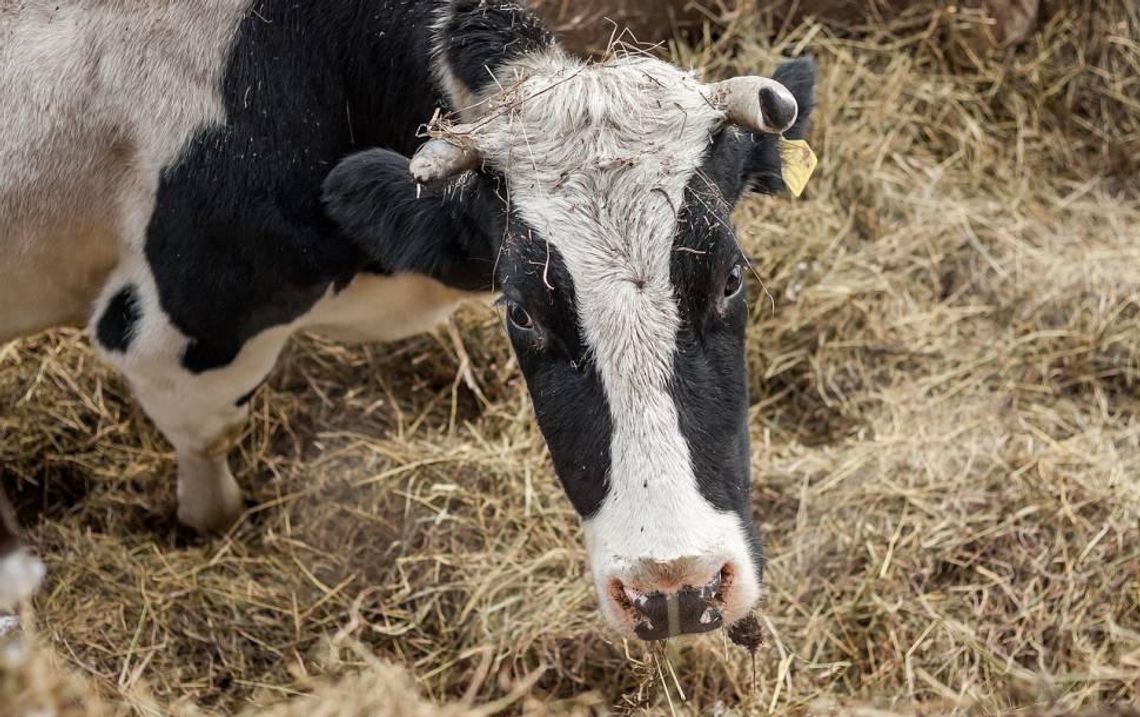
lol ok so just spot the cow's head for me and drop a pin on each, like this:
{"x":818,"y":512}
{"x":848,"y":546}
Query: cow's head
{"x":597,"y":199}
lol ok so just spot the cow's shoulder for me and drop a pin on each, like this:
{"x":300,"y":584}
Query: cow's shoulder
{"x":238,"y":241}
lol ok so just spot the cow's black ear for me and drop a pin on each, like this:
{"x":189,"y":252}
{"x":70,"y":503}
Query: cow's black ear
{"x":445,"y":230}
{"x":762,"y":166}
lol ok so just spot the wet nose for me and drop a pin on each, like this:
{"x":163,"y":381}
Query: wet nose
{"x":675,"y":607}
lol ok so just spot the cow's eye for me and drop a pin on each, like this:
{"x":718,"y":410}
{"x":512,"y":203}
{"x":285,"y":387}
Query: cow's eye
{"x":733,"y":283}
{"x":519,"y":317}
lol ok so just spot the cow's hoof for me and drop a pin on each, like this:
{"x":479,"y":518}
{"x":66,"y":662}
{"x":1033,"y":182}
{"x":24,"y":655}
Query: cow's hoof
{"x":20,"y":575}
{"x":209,"y":499}
{"x":213,"y":515}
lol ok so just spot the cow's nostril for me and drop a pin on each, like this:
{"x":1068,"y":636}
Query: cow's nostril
{"x":686,"y":611}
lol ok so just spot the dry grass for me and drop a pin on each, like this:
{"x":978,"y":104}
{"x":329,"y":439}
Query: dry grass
{"x":946,"y":426}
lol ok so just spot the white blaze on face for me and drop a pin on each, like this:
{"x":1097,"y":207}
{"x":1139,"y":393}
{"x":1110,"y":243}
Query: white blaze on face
{"x":598,"y":157}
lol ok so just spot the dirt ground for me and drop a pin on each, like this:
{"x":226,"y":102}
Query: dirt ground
{"x":945,"y":362}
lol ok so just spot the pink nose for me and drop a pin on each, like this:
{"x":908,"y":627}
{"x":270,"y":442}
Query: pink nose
{"x":666,"y":599}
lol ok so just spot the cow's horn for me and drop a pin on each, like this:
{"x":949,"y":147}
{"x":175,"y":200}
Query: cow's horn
{"x":756,"y":103}
{"x":440,"y":159}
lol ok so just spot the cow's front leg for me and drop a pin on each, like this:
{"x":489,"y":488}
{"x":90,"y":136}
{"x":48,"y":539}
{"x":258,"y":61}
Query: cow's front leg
{"x":201,"y":412}
{"x":203,"y":420}
{"x":203,"y":416}
{"x":209,"y":498}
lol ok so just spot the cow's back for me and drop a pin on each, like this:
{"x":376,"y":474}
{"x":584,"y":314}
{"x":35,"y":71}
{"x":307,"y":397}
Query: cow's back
{"x":95,"y":99}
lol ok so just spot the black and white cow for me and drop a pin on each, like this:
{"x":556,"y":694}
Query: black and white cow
{"x":187,"y":178}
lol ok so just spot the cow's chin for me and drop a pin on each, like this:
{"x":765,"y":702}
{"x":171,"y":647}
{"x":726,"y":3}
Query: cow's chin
{"x":742,"y":590}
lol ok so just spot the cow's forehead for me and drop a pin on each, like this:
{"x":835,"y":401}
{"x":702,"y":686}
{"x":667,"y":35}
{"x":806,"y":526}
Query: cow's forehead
{"x":564,"y":128}
{"x":597,"y":156}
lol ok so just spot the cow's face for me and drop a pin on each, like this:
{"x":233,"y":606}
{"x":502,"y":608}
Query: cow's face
{"x":622,"y":284}
{"x":626,"y":308}
{"x":601,"y":195}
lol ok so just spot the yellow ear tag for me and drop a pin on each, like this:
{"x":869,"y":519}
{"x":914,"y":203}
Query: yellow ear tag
{"x":797,"y":162}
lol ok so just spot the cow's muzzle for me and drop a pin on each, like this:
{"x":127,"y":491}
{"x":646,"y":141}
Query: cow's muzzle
{"x":658,"y":614}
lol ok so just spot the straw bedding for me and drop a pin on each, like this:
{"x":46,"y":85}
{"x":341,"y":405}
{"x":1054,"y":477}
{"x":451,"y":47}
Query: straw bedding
{"x":590,"y":25}
{"x":945,"y":362}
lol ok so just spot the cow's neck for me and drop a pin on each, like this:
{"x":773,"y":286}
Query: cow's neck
{"x":372,"y":53}
{"x":390,"y":88}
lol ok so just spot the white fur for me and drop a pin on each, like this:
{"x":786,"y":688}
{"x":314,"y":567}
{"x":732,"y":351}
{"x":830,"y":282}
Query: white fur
{"x":384,"y":308}
{"x":598,"y":157}
{"x":20,"y":575}
{"x":8,"y":624}
{"x":97,"y":99}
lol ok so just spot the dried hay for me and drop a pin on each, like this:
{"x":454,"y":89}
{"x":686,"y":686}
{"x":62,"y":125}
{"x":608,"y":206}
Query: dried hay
{"x":590,"y":25}
{"x":945,"y":362}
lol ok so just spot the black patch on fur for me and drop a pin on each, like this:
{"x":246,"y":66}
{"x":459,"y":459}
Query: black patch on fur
{"x":480,"y":35}
{"x":447,"y":231}
{"x":116,"y":326}
{"x":569,"y":399}
{"x":710,"y":380}
{"x":239,"y":241}
{"x":710,"y":374}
